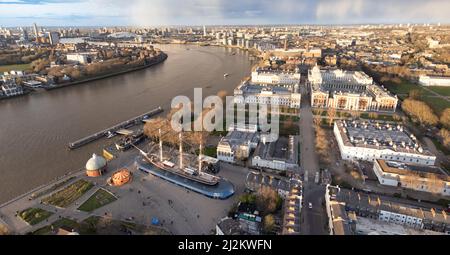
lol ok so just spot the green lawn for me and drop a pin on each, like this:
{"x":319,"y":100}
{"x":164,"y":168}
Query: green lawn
{"x":68,"y":195}
{"x":34,"y":215}
{"x":100,"y":198}
{"x":443,"y":91}
{"x":402,"y":89}
{"x":210,"y":151}
{"x":52,"y":188}
{"x":19,"y":67}
{"x":63,"y":222}
{"x":437,"y":104}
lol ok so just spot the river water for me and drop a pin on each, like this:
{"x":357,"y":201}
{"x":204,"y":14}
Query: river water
{"x":36,"y":129}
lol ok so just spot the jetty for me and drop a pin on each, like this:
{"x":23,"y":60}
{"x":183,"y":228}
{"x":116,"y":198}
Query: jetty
{"x":126,"y":124}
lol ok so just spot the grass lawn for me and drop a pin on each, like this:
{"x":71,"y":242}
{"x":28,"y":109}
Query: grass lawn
{"x":210,"y":151}
{"x":382,"y":117}
{"x":443,"y":91}
{"x":402,"y":89}
{"x":437,"y":104}
{"x":34,"y":215}
{"x":100,"y":198}
{"x":52,"y":188}
{"x":68,"y":195}
{"x":63,"y":222}
{"x":19,"y":67}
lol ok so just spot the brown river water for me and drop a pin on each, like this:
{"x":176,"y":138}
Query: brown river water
{"x":36,"y":129}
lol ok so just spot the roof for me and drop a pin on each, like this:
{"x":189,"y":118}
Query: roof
{"x":254,"y":180}
{"x":230,"y":226}
{"x":284,"y":149}
{"x":374,"y":204}
{"x":95,"y":163}
{"x":413,"y":169}
{"x":379,"y":135}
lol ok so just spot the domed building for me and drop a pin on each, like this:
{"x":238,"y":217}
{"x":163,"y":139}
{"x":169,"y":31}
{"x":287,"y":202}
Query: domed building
{"x":95,"y":166}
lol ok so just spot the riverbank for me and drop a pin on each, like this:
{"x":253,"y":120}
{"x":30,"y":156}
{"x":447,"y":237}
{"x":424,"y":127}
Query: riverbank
{"x":161,"y":59}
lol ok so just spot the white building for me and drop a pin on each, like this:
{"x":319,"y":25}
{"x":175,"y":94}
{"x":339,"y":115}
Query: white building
{"x":434,"y":81}
{"x":10,"y":89}
{"x":81,"y":58}
{"x":345,"y":90}
{"x":369,"y":141}
{"x":266,"y":76}
{"x":421,"y":178}
{"x":286,"y":96}
{"x":237,"y":144}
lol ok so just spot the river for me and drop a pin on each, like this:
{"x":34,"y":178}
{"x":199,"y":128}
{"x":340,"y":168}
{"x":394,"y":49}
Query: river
{"x":35,"y":129}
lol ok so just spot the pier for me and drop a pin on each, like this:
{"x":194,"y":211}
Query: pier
{"x":122,"y":125}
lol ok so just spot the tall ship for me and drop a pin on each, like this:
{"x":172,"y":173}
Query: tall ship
{"x":181,"y":170}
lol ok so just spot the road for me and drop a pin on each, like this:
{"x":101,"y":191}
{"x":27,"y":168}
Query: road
{"x":312,"y":220}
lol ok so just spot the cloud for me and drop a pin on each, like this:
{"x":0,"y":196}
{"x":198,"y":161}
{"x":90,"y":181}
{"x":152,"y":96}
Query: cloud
{"x":198,"y":12}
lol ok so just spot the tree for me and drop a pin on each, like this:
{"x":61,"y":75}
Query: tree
{"x":331,"y":113}
{"x":3,"y":230}
{"x":322,"y":145}
{"x":445,"y":135}
{"x":415,"y":94}
{"x":420,"y":111}
{"x":373,"y":115}
{"x":267,"y":200}
{"x":269,"y":223}
{"x":445,"y":118}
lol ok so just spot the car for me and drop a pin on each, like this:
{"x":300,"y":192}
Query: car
{"x":310,"y":206}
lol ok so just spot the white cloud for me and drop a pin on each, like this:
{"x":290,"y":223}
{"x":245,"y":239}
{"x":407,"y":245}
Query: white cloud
{"x":160,"y":12}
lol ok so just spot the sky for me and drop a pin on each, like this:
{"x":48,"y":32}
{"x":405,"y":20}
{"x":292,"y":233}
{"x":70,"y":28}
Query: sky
{"x":219,"y":12}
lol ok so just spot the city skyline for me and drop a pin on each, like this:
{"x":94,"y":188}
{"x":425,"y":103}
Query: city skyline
{"x":218,"y":12}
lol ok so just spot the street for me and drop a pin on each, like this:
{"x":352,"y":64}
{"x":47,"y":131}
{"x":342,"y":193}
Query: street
{"x":312,"y":220}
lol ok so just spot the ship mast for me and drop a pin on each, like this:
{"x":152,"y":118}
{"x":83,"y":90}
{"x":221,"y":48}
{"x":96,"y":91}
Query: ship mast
{"x":160,"y":146}
{"x":181,"y":151}
{"x":200,"y":155}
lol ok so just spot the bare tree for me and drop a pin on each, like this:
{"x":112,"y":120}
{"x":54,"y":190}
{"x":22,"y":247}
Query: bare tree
{"x":331,"y":113}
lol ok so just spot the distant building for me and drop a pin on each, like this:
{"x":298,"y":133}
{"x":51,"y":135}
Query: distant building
{"x":434,"y":81}
{"x":411,"y":176}
{"x":345,"y":90}
{"x":268,"y":76}
{"x":53,"y":38}
{"x":81,"y":58}
{"x":359,"y":140}
{"x":286,"y":96}
{"x":11,"y":89}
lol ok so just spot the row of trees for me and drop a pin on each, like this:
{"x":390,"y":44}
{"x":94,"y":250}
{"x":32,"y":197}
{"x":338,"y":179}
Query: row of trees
{"x":420,"y":111}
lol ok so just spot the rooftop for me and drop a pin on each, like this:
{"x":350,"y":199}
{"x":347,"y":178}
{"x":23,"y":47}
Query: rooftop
{"x":413,"y":169}
{"x":379,"y":135}
{"x":372,"y":204}
{"x":254,"y":180}
{"x":284,"y":149}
